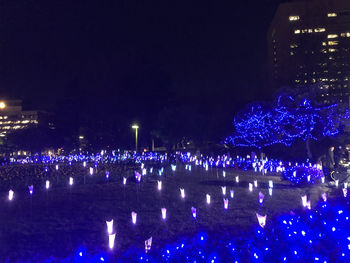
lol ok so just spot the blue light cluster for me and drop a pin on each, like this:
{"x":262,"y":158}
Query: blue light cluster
{"x":319,"y":235}
{"x":299,"y":174}
{"x":283,"y":123}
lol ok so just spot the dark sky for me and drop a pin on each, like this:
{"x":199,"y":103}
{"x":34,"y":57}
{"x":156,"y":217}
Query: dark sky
{"x":141,"y":53}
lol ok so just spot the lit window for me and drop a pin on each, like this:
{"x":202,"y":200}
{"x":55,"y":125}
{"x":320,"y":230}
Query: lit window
{"x":331,"y":14}
{"x":317,"y":30}
{"x":347,"y":34}
{"x":324,"y":44}
{"x":296,"y":31}
{"x":294,"y":18}
{"x":332,"y":50}
{"x":291,"y":53}
{"x":332,"y":36}
{"x":333,"y":43}
{"x":293,"y":46}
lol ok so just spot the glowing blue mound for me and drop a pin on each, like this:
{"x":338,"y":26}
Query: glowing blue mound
{"x":319,"y":235}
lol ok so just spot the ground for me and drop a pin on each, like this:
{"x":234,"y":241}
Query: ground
{"x":59,"y":221}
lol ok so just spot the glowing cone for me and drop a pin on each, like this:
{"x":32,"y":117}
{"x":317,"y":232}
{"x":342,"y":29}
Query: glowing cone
{"x":124,"y":181}
{"x":111,"y":238}
{"x":256,"y":184}
{"x":11,"y":194}
{"x":71,"y":181}
{"x":270,"y":184}
{"x":261,"y":197}
{"x":182,"y":192}
{"x":159,"y":185}
{"x":250,"y":187}
{"x":133,"y":217}
{"x":164,"y":213}
{"x":324,"y":197}
{"x":109,"y":227}
{"x":270,"y":191}
{"x":345,"y":192}
{"x":225,"y":203}
{"x":31,"y":189}
{"x":232,"y":193}
{"x":148,"y":244}
{"x":223,"y":188}
{"x":194,"y":212}
{"x":261,"y":220}
{"x":237,"y":179}
{"x":208,"y":199}
{"x":47,"y":184}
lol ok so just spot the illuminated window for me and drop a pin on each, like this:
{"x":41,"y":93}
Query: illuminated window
{"x":331,"y":14}
{"x":294,"y":18}
{"x":333,"y":43}
{"x":296,"y":31}
{"x":324,"y":44}
{"x":317,"y":30}
{"x":332,"y":50}
{"x":347,"y":34}
{"x":332,"y":36}
{"x":291,"y":53}
{"x":293,"y":46}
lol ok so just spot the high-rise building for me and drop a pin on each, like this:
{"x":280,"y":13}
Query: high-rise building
{"x":309,"y":46}
{"x":12,"y":117}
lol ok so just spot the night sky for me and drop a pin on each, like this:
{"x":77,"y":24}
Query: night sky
{"x":135,"y":57}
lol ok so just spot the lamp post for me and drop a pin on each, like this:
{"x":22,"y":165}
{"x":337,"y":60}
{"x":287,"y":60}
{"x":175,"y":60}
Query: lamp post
{"x":136,"y":127}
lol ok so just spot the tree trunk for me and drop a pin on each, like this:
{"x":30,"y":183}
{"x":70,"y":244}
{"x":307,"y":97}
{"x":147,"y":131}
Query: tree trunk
{"x":308,"y":150}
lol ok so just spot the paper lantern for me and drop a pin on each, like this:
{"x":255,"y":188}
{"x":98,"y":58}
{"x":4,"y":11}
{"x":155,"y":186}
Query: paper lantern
{"x":133,"y":217}
{"x":182,"y":192}
{"x":137,"y":177}
{"x":324,"y":197}
{"x":232,"y":193}
{"x":308,"y":204}
{"x":304,"y":200}
{"x":223,"y":188}
{"x":308,"y":178}
{"x":124,"y":180}
{"x":224,"y":174}
{"x":47,"y":184}
{"x":208,"y":199}
{"x":151,"y":170}
{"x":190,"y":168}
{"x":345,"y":185}
{"x":261,"y":220}
{"x":345,"y":192}
{"x":270,"y":184}
{"x":194,"y":212}
{"x":261,"y":197}
{"x":31,"y":189}
{"x":336,"y":183}
{"x":144,"y":171}
{"x":56,"y":167}
{"x":270,"y":191}
{"x":255,"y":183}
{"x":84,"y":164}
{"x":11,"y":194}
{"x":111,"y":238}
{"x":225,"y":203}
{"x":250,"y":187}
{"x":322,"y":179}
{"x":91,"y":171}
{"x":109,"y":226}
{"x":164,"y":213}
{"x":173,"y":168}
{"x":148,"y":244}
{"x":107,"y":174}
{"x":159,"y":185}
{"x":237,"y":179}
{"x":71,"y":180}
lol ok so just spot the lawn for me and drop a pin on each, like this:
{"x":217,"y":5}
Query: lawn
{"x":57,"y":221}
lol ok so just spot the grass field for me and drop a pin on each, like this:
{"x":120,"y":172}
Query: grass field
{"x":56,"y":222}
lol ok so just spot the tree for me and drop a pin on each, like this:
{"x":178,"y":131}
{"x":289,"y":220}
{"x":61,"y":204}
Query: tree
{"x":287,"y":120}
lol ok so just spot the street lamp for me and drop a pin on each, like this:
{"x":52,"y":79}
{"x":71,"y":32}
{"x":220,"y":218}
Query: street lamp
{"x":136,"y":127}
{"x":2,"y":105}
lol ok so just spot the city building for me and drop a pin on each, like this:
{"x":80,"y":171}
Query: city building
{"x":309,"y":47}
{"x":13,"y":117}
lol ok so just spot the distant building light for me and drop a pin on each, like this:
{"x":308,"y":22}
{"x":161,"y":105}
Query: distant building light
{"x":332,"y":43}
{"x":332,"y":14}
{"x":317,"y":30}
{"x":294,"y":18}
{"x":2,"y":105}
{"x":332,"y":36}
{"x":81,"y":137}
{"x":296,"y":31}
